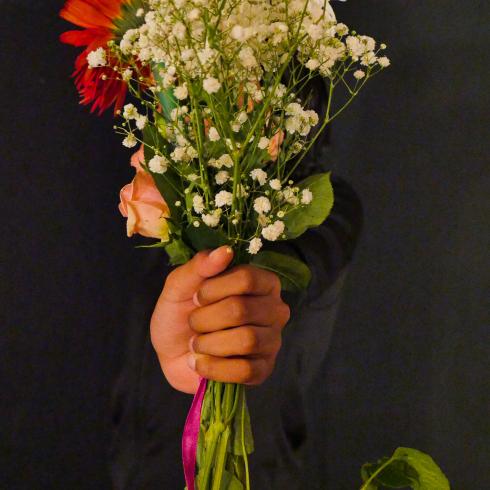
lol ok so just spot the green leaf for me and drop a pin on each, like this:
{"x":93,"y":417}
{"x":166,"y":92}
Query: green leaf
{"x":238,"y":442}
{"x":169,"y":184}
{"x":314,"y":214}
{"x":394,"y":475}
{"x":293,"y":273}
{"x":204,"y":238}
{"x":178,"y":252}
{"x":153,"y":139}
{"x":406,"y":468}
{"x":166,"y":97}
{"x":128,"y":19}
{"x":231,"y":482}
{"x":153,"y":245}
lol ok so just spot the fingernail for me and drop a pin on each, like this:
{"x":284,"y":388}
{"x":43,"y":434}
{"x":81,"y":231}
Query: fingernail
{"x":214,"y":253}
{"x":191,"y":344}
{"x":195,"y":299}
{"x":229,"y":250}
{"x":191,"y":362}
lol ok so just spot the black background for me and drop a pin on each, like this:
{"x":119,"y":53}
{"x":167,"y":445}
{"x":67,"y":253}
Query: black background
{"x":409,"y":360}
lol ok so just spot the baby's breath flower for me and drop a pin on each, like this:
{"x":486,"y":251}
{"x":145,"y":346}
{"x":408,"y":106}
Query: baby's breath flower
{"x":130,"y":112}
{"x":259,"y":175}
{"x":212,"y":219}
{"x":158,"y":164}
{"x":223,"y":198}
{"x":262,"y":205}
{"x":242,"y":117}
{"x":384,"y":61}
{"x":312,"y":64}
{"x":194,"y":14}
{"x":192,"y":152}
{"x":290,"y":196}
{"x":213,"y":134}
{"x":254,"y":246}
{"x":141,"y":122}
{"x":306,"y":196}
{"x":247,"y":57}
{"x":222,"y":177}
{"x":127,"y":74}
{"x":198,"y":204}
{"x":359,"y":74}
{"x":225,"y":161}
{"x":263,"y":220}
{"x":97,"y":58}
{"x":263,"y":143}
{"x":179,"y":154}
{"x":274,"y":231}
{"x":275,"y":184}
{"x":130,"y":141}
{"x":368,"y":59}
{"x":181,"y":92}
{"x":211,"y":85}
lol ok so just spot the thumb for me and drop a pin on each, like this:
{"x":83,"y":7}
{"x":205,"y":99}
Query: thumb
{"x":184,"y":281}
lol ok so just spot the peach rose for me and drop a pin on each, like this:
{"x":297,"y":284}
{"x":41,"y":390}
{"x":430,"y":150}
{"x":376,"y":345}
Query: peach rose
{"x":143,"y":205}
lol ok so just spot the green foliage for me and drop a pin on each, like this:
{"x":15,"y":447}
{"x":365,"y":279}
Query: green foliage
{"x":293,"y":273}
{"x":128,"y":18}
{"x":302,"y":218}
{"x":166,"y":97}
{"x":406,"y":468}
{"x":178,"y":252}
{"x":204,"y":238}
{"x":242,"y":418}
{"x":169,"y":184}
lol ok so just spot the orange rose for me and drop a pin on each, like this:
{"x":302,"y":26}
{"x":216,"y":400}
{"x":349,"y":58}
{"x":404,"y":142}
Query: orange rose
{"x":143,"y":205}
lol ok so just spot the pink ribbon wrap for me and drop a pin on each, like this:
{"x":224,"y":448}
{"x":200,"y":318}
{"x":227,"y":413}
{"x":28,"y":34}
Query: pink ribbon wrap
{"x":191,"y":435}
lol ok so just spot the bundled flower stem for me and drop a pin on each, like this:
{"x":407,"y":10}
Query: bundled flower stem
{"x":220,"y":92}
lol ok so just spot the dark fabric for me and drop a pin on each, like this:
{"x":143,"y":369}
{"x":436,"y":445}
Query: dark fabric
{"x":409,"y":358}
{"x":149,"y":415}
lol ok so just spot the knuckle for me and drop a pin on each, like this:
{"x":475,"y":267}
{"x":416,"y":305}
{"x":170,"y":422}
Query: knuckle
{"x":276,"y":282}
{"x":202,"y":295}
{"x":193,"y":320}
{"x":284,"y":314}
{"x":249,"y":340}
{"x":247,"y":373}
{"x":204,"y":367}
{"x":246,"y":278}
{"x":171,"y":277}
{"x":238,"y":308}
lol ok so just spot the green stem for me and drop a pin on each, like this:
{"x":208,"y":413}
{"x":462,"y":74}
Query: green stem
{"x":244,"y":449}
{"x":365,"y":486}
{"x":213,"y":433}
{"x":219,"y":466}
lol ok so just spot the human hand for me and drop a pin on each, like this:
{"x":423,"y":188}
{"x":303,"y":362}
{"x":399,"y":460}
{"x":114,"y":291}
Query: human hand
{"x":219,"y":324}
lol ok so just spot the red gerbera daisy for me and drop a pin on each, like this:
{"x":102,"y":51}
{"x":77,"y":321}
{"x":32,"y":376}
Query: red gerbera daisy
{"x":103,"y":21}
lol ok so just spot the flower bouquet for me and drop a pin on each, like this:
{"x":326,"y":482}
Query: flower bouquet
{"x":219,"y":106}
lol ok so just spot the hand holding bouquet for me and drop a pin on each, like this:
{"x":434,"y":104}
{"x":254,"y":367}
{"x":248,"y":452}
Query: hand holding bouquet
{"x":220,"y":93}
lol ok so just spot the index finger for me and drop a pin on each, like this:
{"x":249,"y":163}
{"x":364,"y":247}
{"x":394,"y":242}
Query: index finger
{"x":241,"y":280}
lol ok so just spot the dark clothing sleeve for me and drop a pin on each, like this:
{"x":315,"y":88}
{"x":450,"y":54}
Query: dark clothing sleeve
{"x":149,"y":415}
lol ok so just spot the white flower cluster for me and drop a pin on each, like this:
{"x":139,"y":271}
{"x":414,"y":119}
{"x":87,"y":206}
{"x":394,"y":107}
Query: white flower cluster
{"x":250,"y":38}
{"x":233,"y":115}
